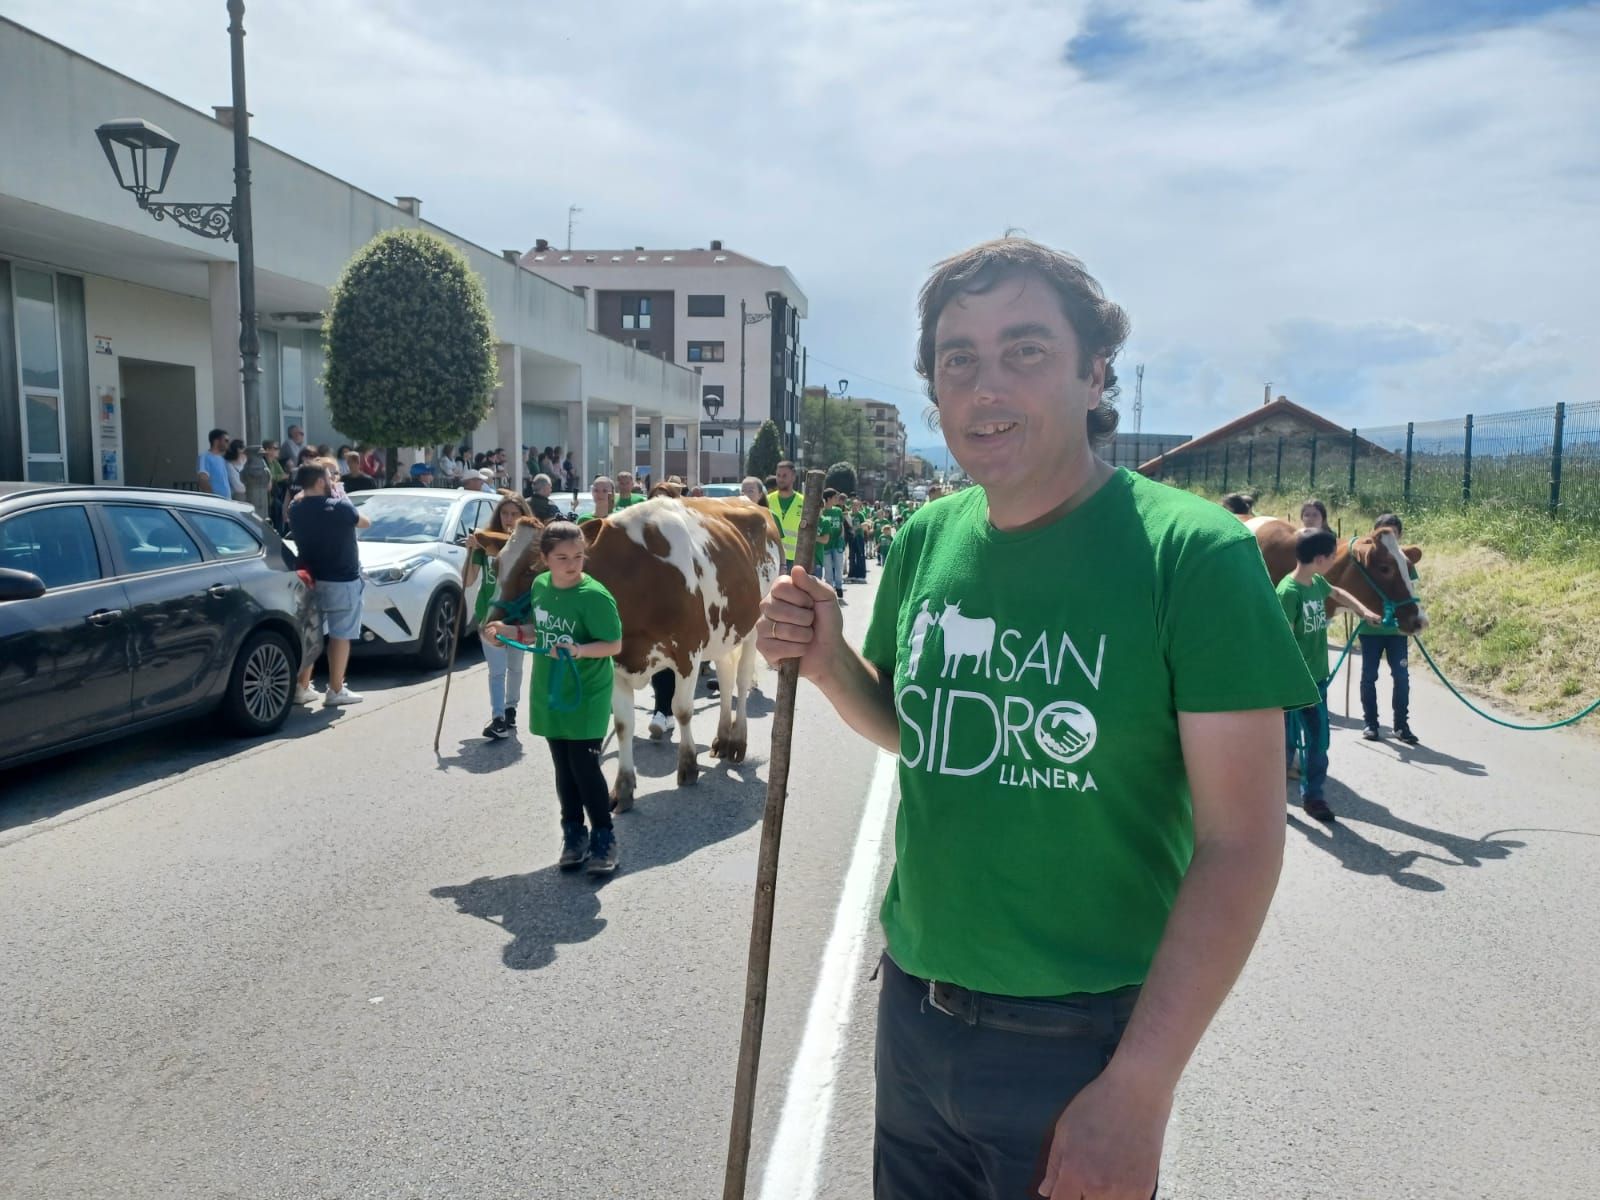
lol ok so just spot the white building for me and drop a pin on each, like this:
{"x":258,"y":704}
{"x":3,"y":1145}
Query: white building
{"x":684,"y":306}
{"x":119,"y":334}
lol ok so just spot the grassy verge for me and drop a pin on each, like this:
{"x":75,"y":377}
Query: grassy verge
{"x":1513,"y":601}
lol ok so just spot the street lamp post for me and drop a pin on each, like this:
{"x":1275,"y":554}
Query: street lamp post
{"x":225,"y":221}
{"x":746,"y":319}
{"x":822,"y":443}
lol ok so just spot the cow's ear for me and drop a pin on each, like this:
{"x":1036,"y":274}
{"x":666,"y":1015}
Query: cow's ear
{"x":1413,"y":553}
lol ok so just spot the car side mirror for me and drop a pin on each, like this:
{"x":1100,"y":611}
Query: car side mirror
{"x":19,"y":585}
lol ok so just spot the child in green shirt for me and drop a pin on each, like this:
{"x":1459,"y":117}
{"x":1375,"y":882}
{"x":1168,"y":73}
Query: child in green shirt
{"x":575,"y":632}
{"x":1304,"y":594}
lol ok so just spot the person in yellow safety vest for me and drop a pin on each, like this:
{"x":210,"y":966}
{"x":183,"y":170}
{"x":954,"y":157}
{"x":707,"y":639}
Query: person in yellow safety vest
{"x":786,"y":504}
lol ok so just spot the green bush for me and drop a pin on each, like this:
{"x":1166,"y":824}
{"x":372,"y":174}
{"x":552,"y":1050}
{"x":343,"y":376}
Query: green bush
{"x":410,"y":346}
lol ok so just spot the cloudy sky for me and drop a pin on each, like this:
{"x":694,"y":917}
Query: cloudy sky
{"x":1388,"y":208}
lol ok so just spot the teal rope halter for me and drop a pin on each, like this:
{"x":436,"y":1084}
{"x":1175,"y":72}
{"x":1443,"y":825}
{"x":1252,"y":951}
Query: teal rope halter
{"x":565,"y":694}
{"x":1390,"y":608}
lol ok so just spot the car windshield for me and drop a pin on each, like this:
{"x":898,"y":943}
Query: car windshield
{"x":403,"y":515}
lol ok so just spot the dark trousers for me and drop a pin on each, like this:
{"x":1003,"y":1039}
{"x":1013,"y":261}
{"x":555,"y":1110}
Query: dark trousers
{"x":1376,"y":647}
{"x":967,"y":1105}
{"x":663,"y":683}
{"x":580,"y":784}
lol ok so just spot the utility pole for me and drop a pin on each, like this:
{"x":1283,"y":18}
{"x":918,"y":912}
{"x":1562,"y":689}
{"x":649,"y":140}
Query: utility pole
{"x":799,"y":404}
{"x":572,"y":211}
{"x":1138,"y":398}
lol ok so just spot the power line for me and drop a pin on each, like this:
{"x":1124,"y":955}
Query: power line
{"x":852,"y":374}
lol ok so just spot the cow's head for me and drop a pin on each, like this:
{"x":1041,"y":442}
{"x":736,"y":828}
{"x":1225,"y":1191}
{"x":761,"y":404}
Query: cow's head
{"x":520,"y":562}
{"x":1383,"y":577}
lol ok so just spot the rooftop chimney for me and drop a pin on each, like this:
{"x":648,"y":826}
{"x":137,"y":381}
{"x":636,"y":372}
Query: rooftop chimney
{"x":716,"y":245}
{"x":639,"y":248}
{"x":541,"y":244}
{"x":511,"y":256}
{"x":410,"y":205}
{"x":225,"y":115}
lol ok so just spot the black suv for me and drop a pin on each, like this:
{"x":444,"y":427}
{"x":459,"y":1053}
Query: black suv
{"x":122,"y":608}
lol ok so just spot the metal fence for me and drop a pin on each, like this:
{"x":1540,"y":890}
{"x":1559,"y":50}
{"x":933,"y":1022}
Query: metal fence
{"x":1133,"y":450}
{"x":1538,"y":459}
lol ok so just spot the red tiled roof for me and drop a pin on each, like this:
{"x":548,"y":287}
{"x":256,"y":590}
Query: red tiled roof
{"x":1282,"y":406}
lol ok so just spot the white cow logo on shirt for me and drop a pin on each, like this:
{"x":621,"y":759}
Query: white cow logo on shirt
{"x":969,"y":723}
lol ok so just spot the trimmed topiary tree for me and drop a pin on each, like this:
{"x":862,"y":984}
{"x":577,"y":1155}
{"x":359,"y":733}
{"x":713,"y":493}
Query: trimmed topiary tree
{"x":841,"y":478}
{"x":409,"y":344}
{"x":765,"y":452}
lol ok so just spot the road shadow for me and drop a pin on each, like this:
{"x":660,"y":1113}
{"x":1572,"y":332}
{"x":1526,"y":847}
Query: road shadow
{"x":545,"y":909}
{"x":39,"y":791}
{"x":483,"y":756}
{"x":1426,"y":756}
{"x":1366,"y":857}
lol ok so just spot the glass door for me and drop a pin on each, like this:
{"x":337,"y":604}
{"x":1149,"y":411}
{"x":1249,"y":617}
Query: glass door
{"x":44,"y":422}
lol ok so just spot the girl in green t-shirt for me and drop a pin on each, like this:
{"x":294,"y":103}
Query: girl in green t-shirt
{"x":505,"y":663}
{"x":572,"y":626}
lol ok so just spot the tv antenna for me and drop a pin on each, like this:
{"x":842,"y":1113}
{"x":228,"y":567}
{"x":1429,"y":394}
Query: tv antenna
{"x":1138,"y":398}
{"x":572,"y":211}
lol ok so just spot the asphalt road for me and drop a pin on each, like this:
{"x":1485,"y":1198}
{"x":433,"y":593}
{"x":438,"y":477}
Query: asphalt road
{"x":330,"y":965}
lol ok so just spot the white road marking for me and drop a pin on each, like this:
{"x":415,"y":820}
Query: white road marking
{"x":795,"y":1163}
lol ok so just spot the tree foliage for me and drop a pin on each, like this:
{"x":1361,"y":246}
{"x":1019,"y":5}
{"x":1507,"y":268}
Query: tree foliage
{"x":842,"y":478}
{"x":843,"y":436}
{"x":765,"y":452}
{"x":409,"y":343}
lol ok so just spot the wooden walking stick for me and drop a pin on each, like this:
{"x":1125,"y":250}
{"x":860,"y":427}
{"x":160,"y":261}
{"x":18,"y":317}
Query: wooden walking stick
{"x":755,"y":984}
{"x":455,"y":640}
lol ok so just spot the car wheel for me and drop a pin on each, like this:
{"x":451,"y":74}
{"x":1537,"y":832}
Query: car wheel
{"x":261,"y":687}
{"x":439,"y":629}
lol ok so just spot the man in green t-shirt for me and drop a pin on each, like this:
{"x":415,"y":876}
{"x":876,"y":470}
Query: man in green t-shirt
{"x":626,"y":496}
{"x":1090,"y":824}
{"x":830,"y":543}
{"x":1305,"y":595}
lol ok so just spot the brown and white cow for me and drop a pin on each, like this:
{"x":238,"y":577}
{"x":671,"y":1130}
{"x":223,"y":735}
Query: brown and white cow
{"x":1373,"y":568}
{"x":688,"y":576}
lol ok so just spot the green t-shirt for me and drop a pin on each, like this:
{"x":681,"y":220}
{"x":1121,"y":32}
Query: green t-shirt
{"x":1045,"y":822}
{"x":487,"y":586}
{"x":885,"y":536}
{"x":630,"y":500}
{"x":585,"y":613}
{"x":1366,"y":628}
{"x":831,"y":523}
{"x":1305,"y":605}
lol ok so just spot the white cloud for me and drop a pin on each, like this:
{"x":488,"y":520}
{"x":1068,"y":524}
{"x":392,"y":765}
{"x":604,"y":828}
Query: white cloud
{"x":1260,"y":187}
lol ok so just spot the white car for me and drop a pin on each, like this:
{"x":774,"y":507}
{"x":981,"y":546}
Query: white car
{"x":411,"y":560}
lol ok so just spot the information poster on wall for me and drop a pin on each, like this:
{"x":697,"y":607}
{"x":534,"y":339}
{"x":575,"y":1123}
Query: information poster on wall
{"x":110,"y":412}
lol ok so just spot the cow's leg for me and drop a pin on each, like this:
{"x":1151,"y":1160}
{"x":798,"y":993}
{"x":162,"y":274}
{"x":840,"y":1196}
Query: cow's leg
{"x":683,"y":709}
{"x":622,"y":715}
{"x":727,"y":744}
{"x":735,"y":742}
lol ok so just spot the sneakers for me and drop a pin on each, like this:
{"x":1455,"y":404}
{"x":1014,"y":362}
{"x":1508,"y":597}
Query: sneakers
{"x":602,"y":852}
{"x":659,"y":724}
{"x":333,"y":699}
{"x":496,"y":728}
{"x":306,"y":694}
{"x":1317,"y":807}
{"x":511,"y":718}
{"x":1370,"y":734}
{"x":574,"y":847}
{"x":1403,"y":732}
